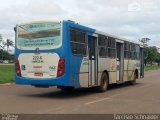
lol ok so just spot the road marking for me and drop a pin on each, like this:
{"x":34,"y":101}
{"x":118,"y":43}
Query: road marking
{"x":111,"y":97}
{"x":88,"y":103}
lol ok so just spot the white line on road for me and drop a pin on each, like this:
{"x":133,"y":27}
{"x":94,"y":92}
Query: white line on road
{"x":88,"y":103}
{"x":111,"y":97}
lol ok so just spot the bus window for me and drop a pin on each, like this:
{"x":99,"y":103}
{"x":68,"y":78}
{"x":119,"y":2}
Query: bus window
{"x":111,"y":47}
{"x":102,"y":43}
{"x":39,"y":35}
{"x":126,"y":50}
{"x":78,"y":42}
{"x":138,"y":52}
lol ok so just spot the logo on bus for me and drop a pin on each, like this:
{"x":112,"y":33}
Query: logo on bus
{"x":113,"y":66}
{"x":52,"y":68}
{"x":85,"y":61}
{"x":23,"y":67}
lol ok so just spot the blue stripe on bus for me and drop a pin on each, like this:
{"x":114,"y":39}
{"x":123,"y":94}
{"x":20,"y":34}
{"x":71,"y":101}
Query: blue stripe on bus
{"x":76,"y":61}
{"x":73,"y":63}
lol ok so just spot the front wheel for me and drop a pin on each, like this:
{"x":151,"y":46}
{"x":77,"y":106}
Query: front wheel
{"x":104,"y":83}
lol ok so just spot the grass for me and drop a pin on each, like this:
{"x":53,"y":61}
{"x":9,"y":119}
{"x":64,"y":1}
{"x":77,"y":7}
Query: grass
{"x":6,"y":73}
{"x":149,"y":68}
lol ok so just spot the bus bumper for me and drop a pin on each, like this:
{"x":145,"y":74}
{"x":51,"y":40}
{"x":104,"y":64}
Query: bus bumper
{"x":61,"y":81}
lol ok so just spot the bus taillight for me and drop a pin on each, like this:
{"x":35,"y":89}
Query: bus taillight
{"x":18,"y":69}
{"x":61,"y":67}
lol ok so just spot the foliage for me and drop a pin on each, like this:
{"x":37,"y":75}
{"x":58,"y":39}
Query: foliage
{"x":8,"y":44}
{"x":148,"y":68}
{"x":144,"y":41}
{"x":151,"y":55}
{"x":6,"y":73}
{"x":3,"y":44}
{"x":158,"y":59}
{"x":6,"y":56}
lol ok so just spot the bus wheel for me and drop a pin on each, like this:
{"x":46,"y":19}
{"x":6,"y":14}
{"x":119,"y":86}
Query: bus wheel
{"x":104,"y":83}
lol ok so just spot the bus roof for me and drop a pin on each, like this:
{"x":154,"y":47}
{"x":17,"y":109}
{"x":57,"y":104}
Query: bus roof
{"x":119,"y":38}
{"x":109,"y":35}
{"x":97,"y":31}
{"x":25,"y":23}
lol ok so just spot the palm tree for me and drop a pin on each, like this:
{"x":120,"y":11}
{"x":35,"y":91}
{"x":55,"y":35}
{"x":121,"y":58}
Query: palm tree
{"x":8,"y":44}
{"x":2,"y":43}
{"x":1,"y":47}
{"x":1,"y":39}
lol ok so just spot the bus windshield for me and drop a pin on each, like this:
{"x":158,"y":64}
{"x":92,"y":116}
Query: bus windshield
{"x":39,"y":35}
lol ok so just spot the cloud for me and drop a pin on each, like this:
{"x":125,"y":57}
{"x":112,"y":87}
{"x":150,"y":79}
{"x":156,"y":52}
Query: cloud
{"x":114,"y":17}
{"x":41,"y":10}
{"x":111,"y":16}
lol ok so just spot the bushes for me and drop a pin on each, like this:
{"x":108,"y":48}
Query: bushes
{"x":6,"y":56}
{"x":151,"y":55}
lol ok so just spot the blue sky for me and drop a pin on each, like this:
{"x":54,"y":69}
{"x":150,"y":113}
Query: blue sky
{"x":126,"y":18}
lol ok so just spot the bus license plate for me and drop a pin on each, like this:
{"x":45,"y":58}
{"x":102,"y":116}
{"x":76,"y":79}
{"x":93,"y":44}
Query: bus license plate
{"x":38,"y":74}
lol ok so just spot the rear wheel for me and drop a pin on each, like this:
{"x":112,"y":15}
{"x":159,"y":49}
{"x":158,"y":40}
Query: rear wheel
{"x":104,"y":83}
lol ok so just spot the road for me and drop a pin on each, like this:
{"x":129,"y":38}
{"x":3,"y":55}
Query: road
{"x":144,"y":97}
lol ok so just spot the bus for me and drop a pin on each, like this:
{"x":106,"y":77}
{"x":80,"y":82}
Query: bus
{"x":69,"y":55}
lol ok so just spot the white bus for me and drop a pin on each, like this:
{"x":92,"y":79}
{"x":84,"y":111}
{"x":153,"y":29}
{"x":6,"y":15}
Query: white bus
{"x":68,"y":55}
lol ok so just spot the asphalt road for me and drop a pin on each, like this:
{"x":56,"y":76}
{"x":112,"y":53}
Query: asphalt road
{"x":144,"y":97}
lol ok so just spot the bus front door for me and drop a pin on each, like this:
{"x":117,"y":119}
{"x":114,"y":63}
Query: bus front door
{"x":120,"y":61}
{"x":93,"y":60}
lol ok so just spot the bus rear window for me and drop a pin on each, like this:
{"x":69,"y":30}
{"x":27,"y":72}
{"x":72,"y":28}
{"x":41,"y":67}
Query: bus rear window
{"x":39,"y":35}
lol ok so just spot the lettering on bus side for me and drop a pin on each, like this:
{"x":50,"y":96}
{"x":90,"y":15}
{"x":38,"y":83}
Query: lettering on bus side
{"x":52,"y":68}
{"x":85,"y":61}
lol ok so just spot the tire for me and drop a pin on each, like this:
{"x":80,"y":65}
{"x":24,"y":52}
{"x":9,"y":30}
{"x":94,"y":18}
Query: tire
{"x":104,"y":83}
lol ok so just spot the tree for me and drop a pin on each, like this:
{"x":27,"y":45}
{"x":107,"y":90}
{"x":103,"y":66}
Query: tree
{"x":7,"y":56}
{"x":151,"y":54}
{"x":144,"y":41}
{"x":1,"y":39}
{"x":158,"y":59}
{"x":2,"y":43}
{"x":8,"y":44}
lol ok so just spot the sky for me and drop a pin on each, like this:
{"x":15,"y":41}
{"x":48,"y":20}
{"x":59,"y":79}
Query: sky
{"x":129,"y":19}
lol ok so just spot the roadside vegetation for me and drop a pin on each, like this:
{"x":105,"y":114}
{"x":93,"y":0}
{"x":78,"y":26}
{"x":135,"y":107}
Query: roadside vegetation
{"x":151,"y":59}
{"x":151,"y":55}
{"x":149,"y":68}
{"x":6,"y":74}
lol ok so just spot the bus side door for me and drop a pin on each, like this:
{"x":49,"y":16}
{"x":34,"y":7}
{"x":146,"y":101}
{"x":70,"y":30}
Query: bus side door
{"x":93,"y":60}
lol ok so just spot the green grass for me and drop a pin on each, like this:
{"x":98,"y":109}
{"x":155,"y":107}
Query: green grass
{"x":148,"y":68}
{"x":6,"y":73}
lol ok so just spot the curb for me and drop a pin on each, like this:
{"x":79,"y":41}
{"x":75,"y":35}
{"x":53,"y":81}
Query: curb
{"x":7,"y":84}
